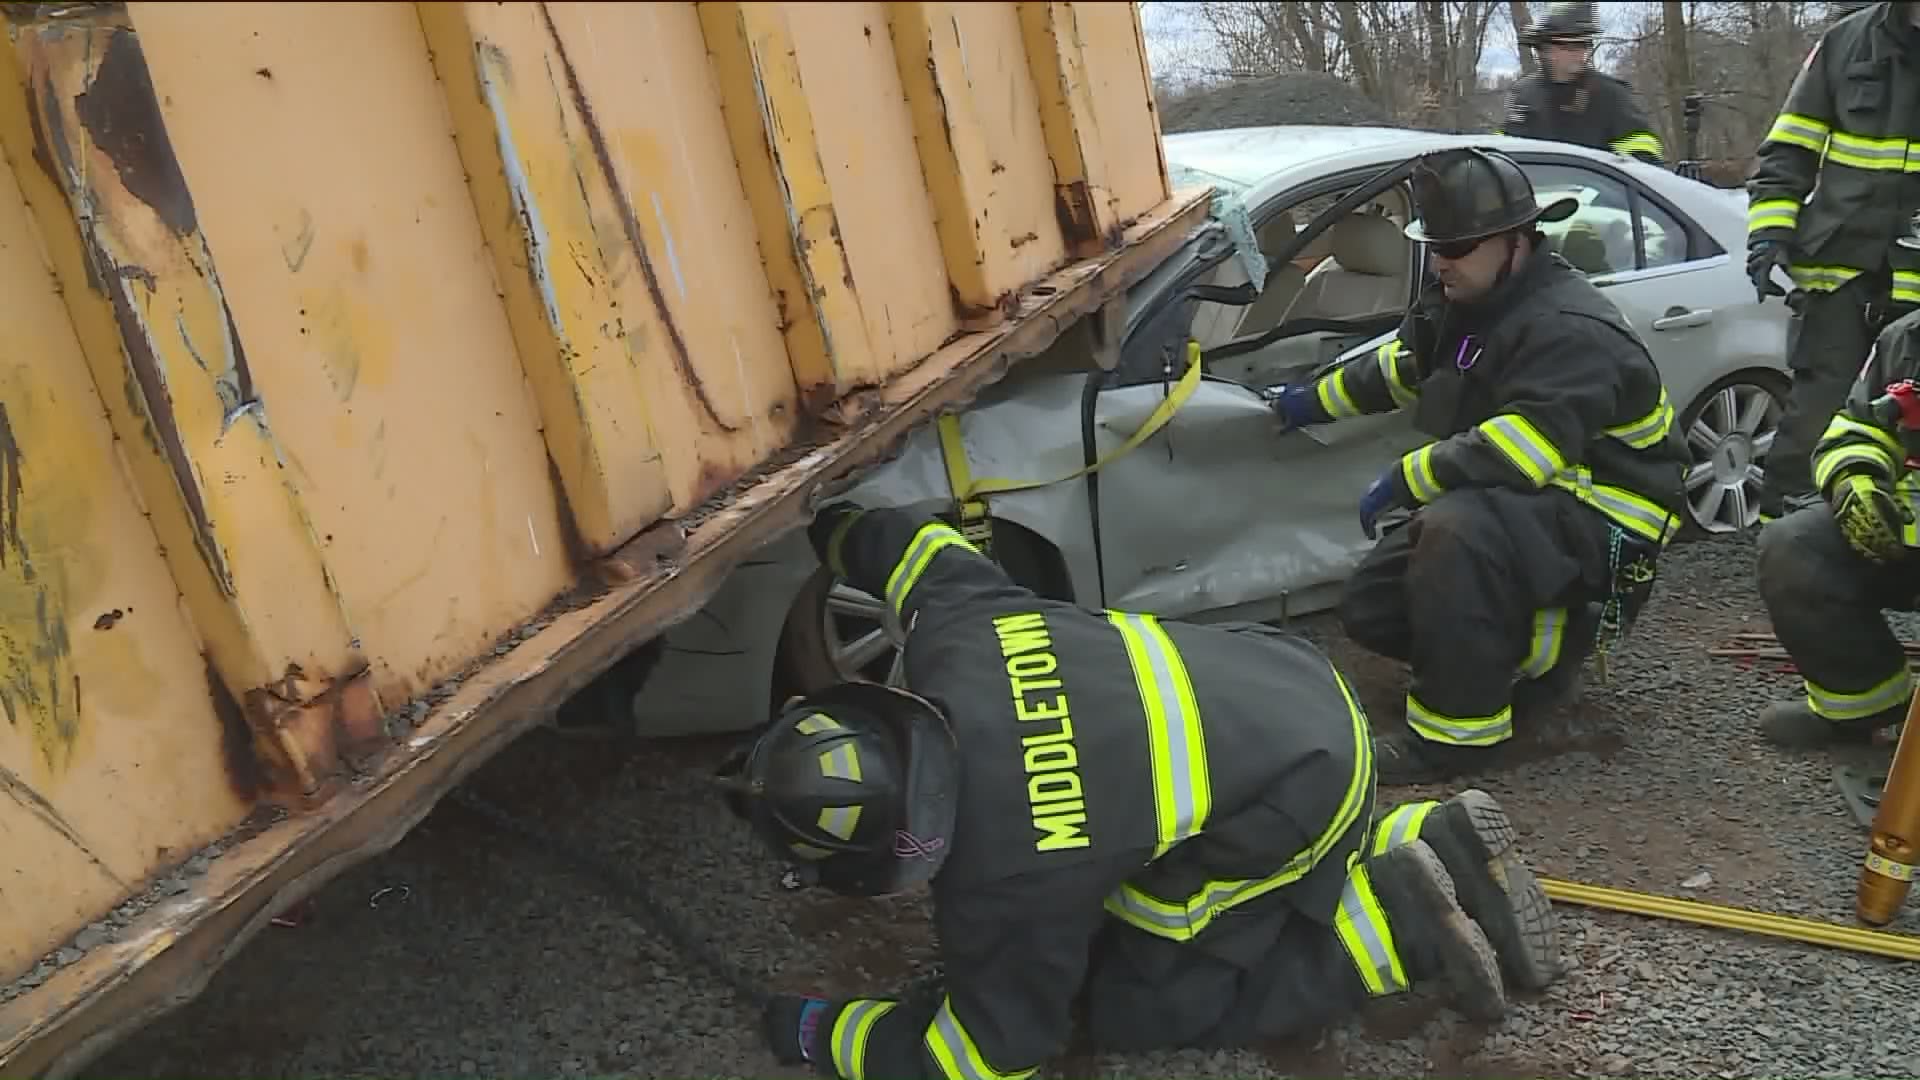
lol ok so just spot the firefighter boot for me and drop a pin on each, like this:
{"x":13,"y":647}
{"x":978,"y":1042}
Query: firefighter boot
{"x":1794,"y":724}
{"x":1434,"y":938}
{"x":1474,"y":838}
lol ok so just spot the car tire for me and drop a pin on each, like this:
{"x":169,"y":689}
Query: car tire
{"x":1725,"y":459}
{"x":829,"y":634}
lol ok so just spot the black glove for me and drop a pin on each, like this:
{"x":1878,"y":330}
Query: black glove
{"x":791,"y":1025}
{"x":1762,"y":257}
{"x":1870,"y":518}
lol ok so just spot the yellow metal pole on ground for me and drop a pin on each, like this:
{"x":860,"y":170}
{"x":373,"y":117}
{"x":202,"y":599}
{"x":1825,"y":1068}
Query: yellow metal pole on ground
{"x":1809,"y":931}
{"x":1887,"y":874}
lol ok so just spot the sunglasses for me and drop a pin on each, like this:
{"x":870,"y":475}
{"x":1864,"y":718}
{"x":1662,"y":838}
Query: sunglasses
{"x":1455,"y":249}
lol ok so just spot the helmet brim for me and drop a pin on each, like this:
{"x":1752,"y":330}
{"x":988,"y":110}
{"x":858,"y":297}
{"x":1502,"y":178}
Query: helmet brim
{"x":931,"y":765}
{"x":1558,"y":210}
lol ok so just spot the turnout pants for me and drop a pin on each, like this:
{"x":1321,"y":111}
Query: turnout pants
{"x":1474,"y":592}
{"x":1825,"y":601}
{"x":1830,"y":339}
{"x":1262,"y":971}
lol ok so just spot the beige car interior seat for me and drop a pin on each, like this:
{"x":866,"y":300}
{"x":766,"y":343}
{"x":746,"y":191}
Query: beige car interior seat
{"x":1367,"y":274}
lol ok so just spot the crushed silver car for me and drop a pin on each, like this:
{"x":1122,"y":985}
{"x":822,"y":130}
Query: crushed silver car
{"x":1216,"y":513}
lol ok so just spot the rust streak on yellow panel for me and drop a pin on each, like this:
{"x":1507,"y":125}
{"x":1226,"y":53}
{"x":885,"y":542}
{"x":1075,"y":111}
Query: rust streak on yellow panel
{"x":1153,"y":106}
{"x":759,"y":75}
{"x":360,"y":282}
{"x":865,"y":137}
{"x":693,"y":285}
{"x":110,"y":750}
{"x":494,"y":62}
{"x":1082,"y":200}
{"x":976,"y":123}
{"x":825,"y":363}
{"x":1109,"y":37}
{"x":152,"y":312}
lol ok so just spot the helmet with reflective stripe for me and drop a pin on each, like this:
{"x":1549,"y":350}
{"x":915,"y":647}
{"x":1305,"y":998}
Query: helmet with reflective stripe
{"x":854,"y":786}
{"x":1470,"y":194}
{"x":1565,"y":20}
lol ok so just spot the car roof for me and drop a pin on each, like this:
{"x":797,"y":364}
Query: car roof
{"x":1255,"y":163}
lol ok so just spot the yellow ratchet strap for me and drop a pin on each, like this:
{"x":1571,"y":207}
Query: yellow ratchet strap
{"x":1809,"y":931}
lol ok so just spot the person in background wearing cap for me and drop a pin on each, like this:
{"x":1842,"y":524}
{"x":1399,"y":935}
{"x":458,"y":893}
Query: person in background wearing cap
{"x":1168,"y":828}
{"x":1554,"y":482}
{"x":1568,"y":100}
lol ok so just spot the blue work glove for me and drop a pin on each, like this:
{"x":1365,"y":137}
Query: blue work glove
{"x":1296,"y":406}
{"x":1384,"y":494}
{"x":791,"y":1024}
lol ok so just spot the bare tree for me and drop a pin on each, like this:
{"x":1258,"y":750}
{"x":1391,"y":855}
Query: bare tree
{"x":1679,"y":80}
{"x":1521,"y":18}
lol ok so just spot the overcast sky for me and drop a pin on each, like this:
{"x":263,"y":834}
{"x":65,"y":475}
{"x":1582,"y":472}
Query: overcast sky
{"x":1168,"y":28}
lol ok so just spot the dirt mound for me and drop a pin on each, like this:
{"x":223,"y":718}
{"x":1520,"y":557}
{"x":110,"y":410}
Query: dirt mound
{"x":1302,"y":98}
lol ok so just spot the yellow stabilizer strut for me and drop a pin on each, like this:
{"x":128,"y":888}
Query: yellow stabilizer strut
{"x":1833,"y":935}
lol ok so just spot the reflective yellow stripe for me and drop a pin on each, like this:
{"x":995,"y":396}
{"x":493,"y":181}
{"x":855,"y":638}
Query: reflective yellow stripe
{"x":1638,"y":142}
{"x":1829,"y":462}
{"x":1417,"y":469}
{"x":1524,"y":446}
{"x":1334,"y":398}
{"x":1773,"y":214}
{"x":1908,"y":488}
{"x":1543,"y":649}
{"x":1181,"y":921}
{"x":1362,"y":926}
{"x":1836,"y":705}
{"x":837,"y":537}
{"x":1389,"y":357}
{"x":949,"y":1043}
{"x":1638,"y":515}
{"x":850,"y":1031}
{"x":1871,"y":154}
{"x":1182,"y":792}
{"x":1401,"y":826}
{"x":927,"y":543}
{"x":1802,"y":131}
{"x":1649,"y":429}
{"x":1459,"y":730}
{"x":1843,"y":426}
{"x":1906,"y":286}
{"x":1822,"y":278}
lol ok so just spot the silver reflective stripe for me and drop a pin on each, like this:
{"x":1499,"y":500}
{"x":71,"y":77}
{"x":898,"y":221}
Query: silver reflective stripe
{"x":1176,"y":773}
{"x":1836,"y":705}
{"x":1483,"y":731}
{"x":1653,"y":524}
{"x":1365,"y":931}
{"x":955,"y":1051}
{"x":906,"y":572}
{"x":1515,"y":436}
{"x":850,"y":1041}
{"x":1544,"y":649}
{"x":1402,"y":826}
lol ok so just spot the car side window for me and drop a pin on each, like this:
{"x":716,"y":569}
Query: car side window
{"x":1598,"y":237}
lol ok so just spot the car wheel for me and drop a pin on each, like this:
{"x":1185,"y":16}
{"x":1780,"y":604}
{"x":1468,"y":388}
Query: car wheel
{"x":1729,"y":429}
{"x":836,"y":633}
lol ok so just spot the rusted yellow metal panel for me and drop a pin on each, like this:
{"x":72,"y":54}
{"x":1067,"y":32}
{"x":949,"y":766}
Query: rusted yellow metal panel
{"x":852,"y":87}
{"x":785,"y":179}
{"x":1089,"y":61}
{"x":360,"y":285}
{"x":177,"y":382}
{"x":1122,"y":95}
{"x":977,"y":122}
{"x":516,"y":128}
{"x":110,"y":747}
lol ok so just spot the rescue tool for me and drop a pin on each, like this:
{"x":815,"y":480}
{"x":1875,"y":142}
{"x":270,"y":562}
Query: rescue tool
{"x":1887,"y":875}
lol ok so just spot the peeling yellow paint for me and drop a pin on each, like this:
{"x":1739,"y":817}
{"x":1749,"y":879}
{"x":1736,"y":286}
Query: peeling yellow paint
{"x":110,"y":752}
{"x":976,"y":122}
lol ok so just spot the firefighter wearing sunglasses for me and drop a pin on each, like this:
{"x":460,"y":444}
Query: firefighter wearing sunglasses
{"x":1166,"y":829}
{"x":1553,"y":482}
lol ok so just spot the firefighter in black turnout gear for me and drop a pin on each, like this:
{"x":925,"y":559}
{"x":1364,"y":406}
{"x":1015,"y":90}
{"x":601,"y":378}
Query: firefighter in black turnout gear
{"x":1553,"y":487}
{"x":1828,"y":570}
{"x":1831,"y":190}
{"x":1567,"y":100}
{"x":1166,"y":828}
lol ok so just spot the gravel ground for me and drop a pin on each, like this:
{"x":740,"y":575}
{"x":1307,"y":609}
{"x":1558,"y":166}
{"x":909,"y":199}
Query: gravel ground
{"x":462,"y":954}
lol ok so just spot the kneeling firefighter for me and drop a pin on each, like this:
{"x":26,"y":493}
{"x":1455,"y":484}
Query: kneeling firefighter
{"x":1554,"y":486}
{"x":1166,"y":828}
{"x":1828,"y":570}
